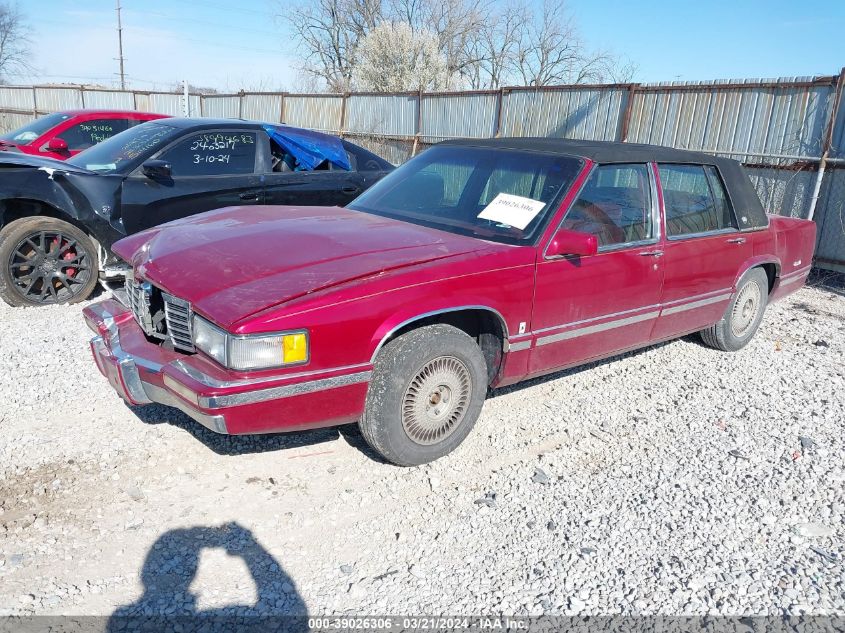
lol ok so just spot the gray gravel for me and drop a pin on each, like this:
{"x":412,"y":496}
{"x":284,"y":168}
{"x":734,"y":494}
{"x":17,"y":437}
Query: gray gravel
{"x":673,"y":480}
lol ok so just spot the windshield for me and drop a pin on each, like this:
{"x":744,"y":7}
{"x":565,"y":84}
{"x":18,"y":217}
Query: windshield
{"x":36,"y":128}
{"x":121,"y":150}
{"x":491,"y":193}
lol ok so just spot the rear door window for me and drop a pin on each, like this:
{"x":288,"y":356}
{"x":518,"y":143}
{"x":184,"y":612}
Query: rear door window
{"x":212,"y":154}
{"x":695,"y":200}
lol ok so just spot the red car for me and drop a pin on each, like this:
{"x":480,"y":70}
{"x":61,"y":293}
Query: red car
{"x":477,"y":264}
{"x":64,"y":134}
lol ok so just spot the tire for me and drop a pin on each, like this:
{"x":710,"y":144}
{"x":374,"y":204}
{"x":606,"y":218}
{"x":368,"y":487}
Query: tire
{"x":45,"y":261}
{"x":425,"y":395}
{"x":742,"y":318}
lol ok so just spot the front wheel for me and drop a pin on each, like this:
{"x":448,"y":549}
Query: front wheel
{"x":742,"y":318}
{"x":426,"y":393}
{"x":45,"y":261}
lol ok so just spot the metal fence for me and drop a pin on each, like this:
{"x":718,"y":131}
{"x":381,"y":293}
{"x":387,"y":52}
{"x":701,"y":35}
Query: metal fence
{"x":789,"y":132}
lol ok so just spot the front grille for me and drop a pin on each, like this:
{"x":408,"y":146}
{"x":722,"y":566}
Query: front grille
{"x":160,"y":315}
{"x":177,"y":317}
{"x":138,"y":294}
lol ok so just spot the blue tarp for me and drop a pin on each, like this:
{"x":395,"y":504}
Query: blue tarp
{"x":309,"y":148}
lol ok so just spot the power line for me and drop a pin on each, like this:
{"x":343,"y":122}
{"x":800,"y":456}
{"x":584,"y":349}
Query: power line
{"x":206,"y":42}
{"x":248,"y":29}
{"x":222,"y":7}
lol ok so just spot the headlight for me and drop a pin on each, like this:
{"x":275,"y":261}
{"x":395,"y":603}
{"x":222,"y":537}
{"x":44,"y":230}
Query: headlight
{"x":260,"y":351}
{"x":210,"y":339}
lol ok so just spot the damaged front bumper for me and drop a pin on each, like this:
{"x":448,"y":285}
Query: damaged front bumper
{"x":143,"y":372}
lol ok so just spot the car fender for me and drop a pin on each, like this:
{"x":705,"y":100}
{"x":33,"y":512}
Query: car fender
{"x":754,"y":262}
{"x":408,"y":316}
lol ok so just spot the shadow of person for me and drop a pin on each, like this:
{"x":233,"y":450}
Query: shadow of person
{"x":170,"y":567}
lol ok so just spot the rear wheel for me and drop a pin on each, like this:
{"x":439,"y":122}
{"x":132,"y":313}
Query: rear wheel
{"x":45,"y":261}
{"x":426,"y":393}
{"x":742,"y":318}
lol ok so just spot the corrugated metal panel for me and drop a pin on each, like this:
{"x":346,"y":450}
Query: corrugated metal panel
{"x":166,"y":103}
{"x":459,"y":116}
{"x":316,"y":112}
{"x":389,"y":115}
{"x":142,"y":102}
{"x":108,"y":100}
{"x":221,"y":107}
{"x":16,"y":98}
{"x":587,"y":113}
{"x":9,"y":121}
{"x":196,"y":105}
{"x":758,"y":119}
{"x":393,"y":150}
{"x":55,"y":99}
{"x":262,"y":107}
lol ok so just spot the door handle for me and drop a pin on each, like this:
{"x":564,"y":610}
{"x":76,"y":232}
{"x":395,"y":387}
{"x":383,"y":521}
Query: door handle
{"x":350,"y":189}
{"x":249,"y":195}
{"x":651,"y":254}
{"x":736,"y":240}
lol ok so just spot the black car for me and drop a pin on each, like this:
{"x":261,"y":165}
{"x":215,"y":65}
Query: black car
{"x":59,"y":219}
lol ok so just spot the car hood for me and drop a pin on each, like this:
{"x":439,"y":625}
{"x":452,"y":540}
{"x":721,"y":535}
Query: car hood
{"x":13,"y":159}
{"x":234,"y":262}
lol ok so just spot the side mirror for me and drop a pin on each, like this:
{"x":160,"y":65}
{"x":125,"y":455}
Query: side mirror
{"x":566,"y":242}
{"x":58,"y":145}
{"x":157,"y":169}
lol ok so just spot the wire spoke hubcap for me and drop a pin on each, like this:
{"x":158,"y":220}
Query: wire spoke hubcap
{"x":436,"y":400}
{"x":49,"y":267}
{"x":745,"y":309}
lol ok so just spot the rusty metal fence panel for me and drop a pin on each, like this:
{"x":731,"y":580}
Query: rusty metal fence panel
{"x":745,"y":118}
{"x":782,"y":129}
{"x":458,"y":115}
{"x":382,"y":115}
{"x":319,"y":112}
{"x":590,"y":113}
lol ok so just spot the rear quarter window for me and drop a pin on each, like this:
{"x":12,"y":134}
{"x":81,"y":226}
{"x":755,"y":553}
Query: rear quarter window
{"x":695,"y":200}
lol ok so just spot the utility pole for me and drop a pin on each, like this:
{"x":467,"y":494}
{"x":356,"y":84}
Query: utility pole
{"x":120,"y":47}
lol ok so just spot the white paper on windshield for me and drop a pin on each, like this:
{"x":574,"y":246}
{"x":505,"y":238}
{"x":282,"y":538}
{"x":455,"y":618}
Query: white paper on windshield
{"x":512,"y":210}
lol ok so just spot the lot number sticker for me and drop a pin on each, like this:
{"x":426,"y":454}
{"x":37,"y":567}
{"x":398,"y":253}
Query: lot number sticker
{"x":514,"y":211}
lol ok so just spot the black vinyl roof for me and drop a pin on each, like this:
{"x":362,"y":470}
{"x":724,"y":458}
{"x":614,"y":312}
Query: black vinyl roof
{"x":597,"y":151}
{"x":749,"y":211}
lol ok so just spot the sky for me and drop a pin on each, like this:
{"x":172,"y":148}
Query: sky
{"x":232,"y":45}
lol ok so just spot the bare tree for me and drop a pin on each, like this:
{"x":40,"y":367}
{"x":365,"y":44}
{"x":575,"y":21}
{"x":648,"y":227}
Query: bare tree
{"x":486,"y":44}
{"x":552,"y":51}
{"x":14,"y":42}
{"x":328,"y":32}
{"x":494,"y":47}
{"x":394,"y":58}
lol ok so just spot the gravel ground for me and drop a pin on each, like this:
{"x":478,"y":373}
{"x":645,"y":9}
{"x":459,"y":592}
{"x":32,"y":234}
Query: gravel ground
{"x":675,"y":480}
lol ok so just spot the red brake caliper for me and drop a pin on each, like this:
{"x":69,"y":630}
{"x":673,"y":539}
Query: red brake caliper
{"x":67,"y":256}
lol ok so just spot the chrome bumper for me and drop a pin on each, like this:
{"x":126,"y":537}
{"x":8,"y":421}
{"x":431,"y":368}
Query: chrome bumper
{"x":111,"y":358}
{"x":172,"y":381}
